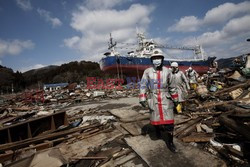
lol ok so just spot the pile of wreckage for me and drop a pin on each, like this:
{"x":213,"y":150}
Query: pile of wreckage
{"x":81,"y":127}
{"x":218,"y":117}
{"x":38,"y":120}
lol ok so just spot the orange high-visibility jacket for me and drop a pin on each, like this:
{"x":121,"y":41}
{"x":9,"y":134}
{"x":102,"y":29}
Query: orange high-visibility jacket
{"x":180,"y":81}
{"x":154,"y":87}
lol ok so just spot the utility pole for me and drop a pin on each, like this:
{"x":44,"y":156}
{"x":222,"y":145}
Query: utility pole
{"x":12,"y":88}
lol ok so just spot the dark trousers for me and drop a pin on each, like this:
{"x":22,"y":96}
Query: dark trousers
{"x":164,"y":128}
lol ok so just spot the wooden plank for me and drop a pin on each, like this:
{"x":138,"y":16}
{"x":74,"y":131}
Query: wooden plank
{"x":120,"y":161}
{"x":133,"y":128}
{"x":213,"y":104}
{"x":234,"y":151}
{"x":186,"y":127}
{"x":198,"y":128}
{"x":33,"y":119}
{"x":184,"y":121}
{"x":135,"y":162}
{"x":6,"y":156}
{"x":82,"y":146}
{"x":206,"y":128}
{"x":110,"y":152}
{"x":197,"y":137}
{"x":65,"y":122}
{"x":9,"y":119}
{"x":238,"y":127}
{"x":124,"y":114}
{"x":205,"y":113}
{"x":118,"y":127}
{"x":124,"y":159}
{"x":9,"y":136}
{"x":225,"y":90}
{"x":231,"y":107}
{"x":52,"y":123}
{"x":9,"y":155}
{"x":241,"y":115}
{"x":47,"y":144}
{"x":187,"y":131}
{"x":39,"y":139}
{"x":29,"y":131}
{"x":89,"y":158}
{"x":137,"y":118}
{"x":48,"y":158}
{"x":22,"y":108}
{"x":122,"y":153}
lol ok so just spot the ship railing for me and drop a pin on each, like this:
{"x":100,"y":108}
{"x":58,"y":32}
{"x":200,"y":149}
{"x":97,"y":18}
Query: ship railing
{"x":200,"y":59}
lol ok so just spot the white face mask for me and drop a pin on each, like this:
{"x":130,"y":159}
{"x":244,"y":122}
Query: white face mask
{"x":157,"y":62}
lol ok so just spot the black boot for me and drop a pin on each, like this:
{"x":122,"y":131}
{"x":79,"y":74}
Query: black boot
{"x":170,"y":143}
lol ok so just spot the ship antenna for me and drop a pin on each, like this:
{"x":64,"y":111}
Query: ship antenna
{"x":111,"y":44}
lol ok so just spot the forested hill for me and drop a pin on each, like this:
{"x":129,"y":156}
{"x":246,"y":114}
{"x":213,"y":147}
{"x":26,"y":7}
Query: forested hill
{"x":69,"y":72}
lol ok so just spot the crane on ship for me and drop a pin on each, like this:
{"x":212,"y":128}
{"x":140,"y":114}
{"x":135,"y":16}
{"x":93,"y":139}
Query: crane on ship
{"x":149,"y":44}
{"x":196,"y":49}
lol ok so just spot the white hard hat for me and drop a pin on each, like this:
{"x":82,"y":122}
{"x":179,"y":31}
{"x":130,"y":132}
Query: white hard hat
{"x":174,"y":64}
{"x":157,"y":52}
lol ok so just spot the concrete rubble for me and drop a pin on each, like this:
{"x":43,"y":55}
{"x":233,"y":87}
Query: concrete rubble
{"x":85,"y":127}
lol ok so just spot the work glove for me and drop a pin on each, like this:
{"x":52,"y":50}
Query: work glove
{"x":143,"y":103}
{"x":178,"y":108}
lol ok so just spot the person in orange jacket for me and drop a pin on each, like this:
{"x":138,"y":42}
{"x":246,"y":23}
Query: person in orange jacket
{"x":155,"y":91}
{"x":178,"y":79}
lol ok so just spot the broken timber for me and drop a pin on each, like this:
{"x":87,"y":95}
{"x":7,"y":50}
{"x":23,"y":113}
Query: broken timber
{"x":32,"y":128}
{"x":39,"y":139}
{"x":237,"y":126}
{"x":213,"y":104}
{"x":197,"y":137}
{"x":243,"y":85}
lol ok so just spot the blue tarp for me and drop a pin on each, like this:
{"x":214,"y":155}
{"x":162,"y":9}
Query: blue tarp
{"x":56,"y":85}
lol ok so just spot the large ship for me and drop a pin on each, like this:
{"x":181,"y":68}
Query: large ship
{"x":135,"y":62}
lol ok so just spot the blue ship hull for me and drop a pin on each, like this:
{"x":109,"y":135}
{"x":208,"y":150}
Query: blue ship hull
{"x":134,"y":66}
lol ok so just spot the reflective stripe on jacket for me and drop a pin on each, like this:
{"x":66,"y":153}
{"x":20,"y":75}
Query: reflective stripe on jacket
{"x":179,"y":80}
{"x":192,"y":76}
{"x":155,"y":89}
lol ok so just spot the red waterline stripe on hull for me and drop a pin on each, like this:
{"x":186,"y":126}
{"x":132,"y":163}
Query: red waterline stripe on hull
{"x":159,"y":95}
{"x":141,"y":68}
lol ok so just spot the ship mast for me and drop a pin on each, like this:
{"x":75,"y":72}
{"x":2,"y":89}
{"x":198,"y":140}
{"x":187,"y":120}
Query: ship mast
{"x":111,"y":44}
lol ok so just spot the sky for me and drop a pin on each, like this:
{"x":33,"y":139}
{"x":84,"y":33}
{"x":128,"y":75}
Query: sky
{"x":39,"y":33}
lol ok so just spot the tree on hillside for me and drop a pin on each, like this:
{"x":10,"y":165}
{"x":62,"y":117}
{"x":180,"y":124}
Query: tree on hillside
{"x":6,"y":79}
